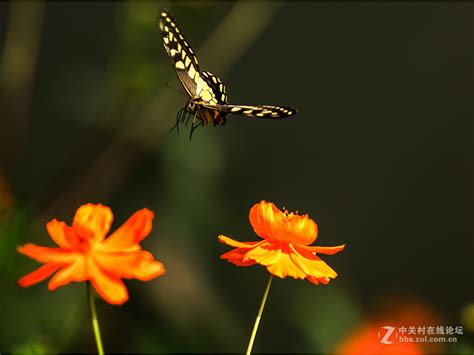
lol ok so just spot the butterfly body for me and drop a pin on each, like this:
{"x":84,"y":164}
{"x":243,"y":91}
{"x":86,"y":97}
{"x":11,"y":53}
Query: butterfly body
{"x":210,"y":91}
{"x":205,"y":115}
{"x":207,"y":95}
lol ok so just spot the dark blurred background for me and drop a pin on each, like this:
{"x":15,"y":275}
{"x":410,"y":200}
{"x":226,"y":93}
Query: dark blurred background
{"x":379,"y":155}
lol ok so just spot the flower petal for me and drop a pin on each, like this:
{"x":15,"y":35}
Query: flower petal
{"x":38,"y":275}
{"x":108,"y":287}
{"x":132,"y":232}
{"x":237,"y":244}
{"x":318,"y":280}
{"x":94,"y":219}
{"x":73,"y":272}
{"x":63,"y":235}
{"x":271,"y":223}
{"x":285,"y":266}
{"x":264,"y":254}
{"x":266,"y":219}
{"x":236,"y":257}
{"x":48,"y":255}
{"x":323,"y":250}
{"x":138,"y":265}
{"x":311,"y":264}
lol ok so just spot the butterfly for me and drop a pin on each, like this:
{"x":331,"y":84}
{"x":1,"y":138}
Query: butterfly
{"x":207,"y":95}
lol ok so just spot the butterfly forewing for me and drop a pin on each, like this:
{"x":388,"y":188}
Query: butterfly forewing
{"x":259,"y":111}
{"x":180,"y":52}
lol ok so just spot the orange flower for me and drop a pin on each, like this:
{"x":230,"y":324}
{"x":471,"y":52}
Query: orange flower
{"x":399,"y":313}
{"x":366,"y":341}
{"x":285,"y":249}
{"x":85,"y":254}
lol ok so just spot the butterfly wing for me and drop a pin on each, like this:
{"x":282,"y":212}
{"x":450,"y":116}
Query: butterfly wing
{"x":258,"y":111}
{"x":180,"y":52}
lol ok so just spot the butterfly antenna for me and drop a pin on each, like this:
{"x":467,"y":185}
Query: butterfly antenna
{"x":175,"y":89}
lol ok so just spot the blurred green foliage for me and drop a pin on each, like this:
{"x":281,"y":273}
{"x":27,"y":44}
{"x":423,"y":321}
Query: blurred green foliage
{"x":378,"y":156}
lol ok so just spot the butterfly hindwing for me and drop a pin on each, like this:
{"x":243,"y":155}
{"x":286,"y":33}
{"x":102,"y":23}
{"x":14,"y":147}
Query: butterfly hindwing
{"x":213,"y":90}
{"x":215,"y":87}
{"x":180,"y":52}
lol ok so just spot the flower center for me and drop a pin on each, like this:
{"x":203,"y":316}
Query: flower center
{"x":288,"y":215}
{"x":295,"y":228}
{"x":84,"y":239}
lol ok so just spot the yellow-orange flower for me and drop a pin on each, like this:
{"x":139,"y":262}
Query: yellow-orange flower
{"x":85,"y":254}
{"x":285,"y":249}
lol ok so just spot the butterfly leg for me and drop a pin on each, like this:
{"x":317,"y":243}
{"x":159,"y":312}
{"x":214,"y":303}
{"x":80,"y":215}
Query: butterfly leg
{"x":194,"y":126}
{"x":188,"y":116}
{"x":185,"y":117}
{"x":178,"y":119}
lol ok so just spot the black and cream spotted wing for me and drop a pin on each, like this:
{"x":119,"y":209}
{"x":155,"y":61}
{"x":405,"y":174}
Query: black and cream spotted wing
{"x":261,"y":111}
{"x":208,"y":98}
{"x":180,"y":52}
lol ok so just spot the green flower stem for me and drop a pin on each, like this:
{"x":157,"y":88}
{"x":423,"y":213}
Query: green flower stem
{"x":259,"y":316}
{"x":95,"y":321}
